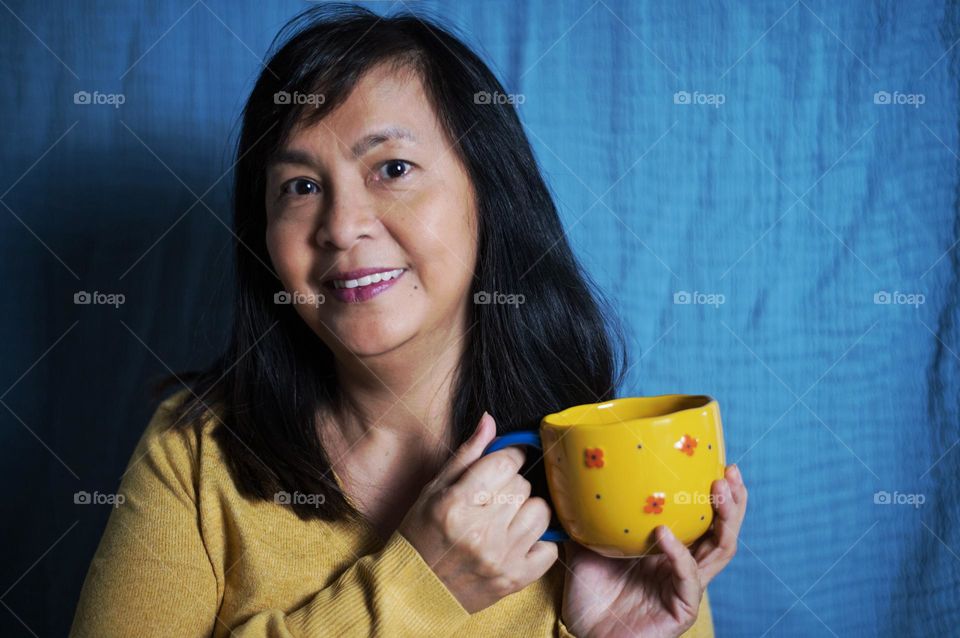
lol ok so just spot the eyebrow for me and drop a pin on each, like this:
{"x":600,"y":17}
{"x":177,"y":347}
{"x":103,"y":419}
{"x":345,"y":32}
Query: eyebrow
{"x":360,"y":148}
{"x":367,"y":142}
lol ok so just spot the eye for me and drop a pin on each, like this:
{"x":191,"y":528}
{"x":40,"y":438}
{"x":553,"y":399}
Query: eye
{"x":394,"y":169}
{"x":300,"y":186}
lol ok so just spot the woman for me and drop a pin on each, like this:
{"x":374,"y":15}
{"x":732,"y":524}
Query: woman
{"x":322,"y":478}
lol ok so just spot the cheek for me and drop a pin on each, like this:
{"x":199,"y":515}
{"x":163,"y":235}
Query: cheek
{"x":289,"y":254}
{"x":440,"y":242}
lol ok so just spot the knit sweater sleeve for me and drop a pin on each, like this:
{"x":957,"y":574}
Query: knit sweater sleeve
{"x":153,"y":576}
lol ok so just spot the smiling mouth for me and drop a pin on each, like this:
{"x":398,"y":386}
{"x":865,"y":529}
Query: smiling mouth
{"x":366,"y":280}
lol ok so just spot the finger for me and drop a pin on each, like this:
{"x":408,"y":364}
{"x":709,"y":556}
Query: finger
{"x":468,"y":452}
{"x":720,"y":546}
{"x":506,"y":501}
{"x":737,"y":486}
{"x":738,"y":493}
{"x":707,"y":548}
{"x":686,"y":578}
{"x":503,"y":505}
{"x":530,"y":522}
{"x":541,"y":557}
{"x":490,"y":474}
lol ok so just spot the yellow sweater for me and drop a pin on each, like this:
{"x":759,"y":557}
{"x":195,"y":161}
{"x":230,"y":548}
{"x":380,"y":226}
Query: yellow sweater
{"x":186,"y":555}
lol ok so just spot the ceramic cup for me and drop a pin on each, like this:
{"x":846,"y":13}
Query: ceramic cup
{"x":619,"y":469}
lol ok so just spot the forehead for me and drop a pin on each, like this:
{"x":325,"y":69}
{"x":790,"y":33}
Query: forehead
{"x":384,"y":97}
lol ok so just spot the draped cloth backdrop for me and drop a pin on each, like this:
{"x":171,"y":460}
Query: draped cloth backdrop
{"x":767,"y":190}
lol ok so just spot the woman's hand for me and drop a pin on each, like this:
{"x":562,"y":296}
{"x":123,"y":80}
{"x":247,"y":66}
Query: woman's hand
{"x":476,"y":525}
{"x":656,"y":595}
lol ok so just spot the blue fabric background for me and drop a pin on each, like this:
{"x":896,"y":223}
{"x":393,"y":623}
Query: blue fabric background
{"x":798,"y":199}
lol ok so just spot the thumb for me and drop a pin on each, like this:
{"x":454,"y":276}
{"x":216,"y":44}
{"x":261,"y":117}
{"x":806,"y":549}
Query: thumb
{"x":470,"y":450}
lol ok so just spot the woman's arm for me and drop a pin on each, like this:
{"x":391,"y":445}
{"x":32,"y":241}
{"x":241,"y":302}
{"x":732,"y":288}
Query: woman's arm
{"x":152,"y":574}
{"x":390,"y":593}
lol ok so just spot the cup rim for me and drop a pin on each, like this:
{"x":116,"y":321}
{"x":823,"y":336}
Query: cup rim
{"x":561,"y":419}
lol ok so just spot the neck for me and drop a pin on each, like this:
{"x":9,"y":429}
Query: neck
{"x":404,"y":394}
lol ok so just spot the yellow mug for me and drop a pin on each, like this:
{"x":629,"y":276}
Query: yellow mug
{"x":619,"y":469}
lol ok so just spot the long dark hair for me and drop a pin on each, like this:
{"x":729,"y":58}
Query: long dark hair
{"x":520,"y":362}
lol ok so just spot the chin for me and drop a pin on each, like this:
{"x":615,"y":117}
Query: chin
{"x":367,"y":340}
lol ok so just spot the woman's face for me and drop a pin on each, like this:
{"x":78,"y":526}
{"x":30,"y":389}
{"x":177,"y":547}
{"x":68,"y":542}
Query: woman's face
{"x":374,"y":185}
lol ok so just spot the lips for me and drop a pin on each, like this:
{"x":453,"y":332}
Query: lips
{"x":366,"y":287}
{"x":346,"y":275}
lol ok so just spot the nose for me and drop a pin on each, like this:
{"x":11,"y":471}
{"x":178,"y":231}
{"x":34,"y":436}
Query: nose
{"x":348,"y":218}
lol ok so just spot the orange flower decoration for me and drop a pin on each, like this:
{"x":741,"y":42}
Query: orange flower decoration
{"x":686,"y":444}
{"x":593,"y":457}
{"x":654,"y":503}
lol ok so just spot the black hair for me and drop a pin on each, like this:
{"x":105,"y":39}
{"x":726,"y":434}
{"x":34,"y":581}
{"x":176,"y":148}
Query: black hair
{"x":559,"y":348}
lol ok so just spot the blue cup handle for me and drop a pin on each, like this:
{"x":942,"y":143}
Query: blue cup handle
{"x":531,"y":438}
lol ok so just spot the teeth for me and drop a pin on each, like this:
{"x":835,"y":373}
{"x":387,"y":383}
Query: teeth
{"x":368,"y":279}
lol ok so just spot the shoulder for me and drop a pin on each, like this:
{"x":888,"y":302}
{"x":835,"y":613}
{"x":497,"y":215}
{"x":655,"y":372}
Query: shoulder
{"x":180,"y":413}
{"x":174,"y":439}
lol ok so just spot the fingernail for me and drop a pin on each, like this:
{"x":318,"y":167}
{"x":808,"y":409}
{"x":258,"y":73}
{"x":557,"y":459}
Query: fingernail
{"x":476,"y":430}
{"x":736,"y":474}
